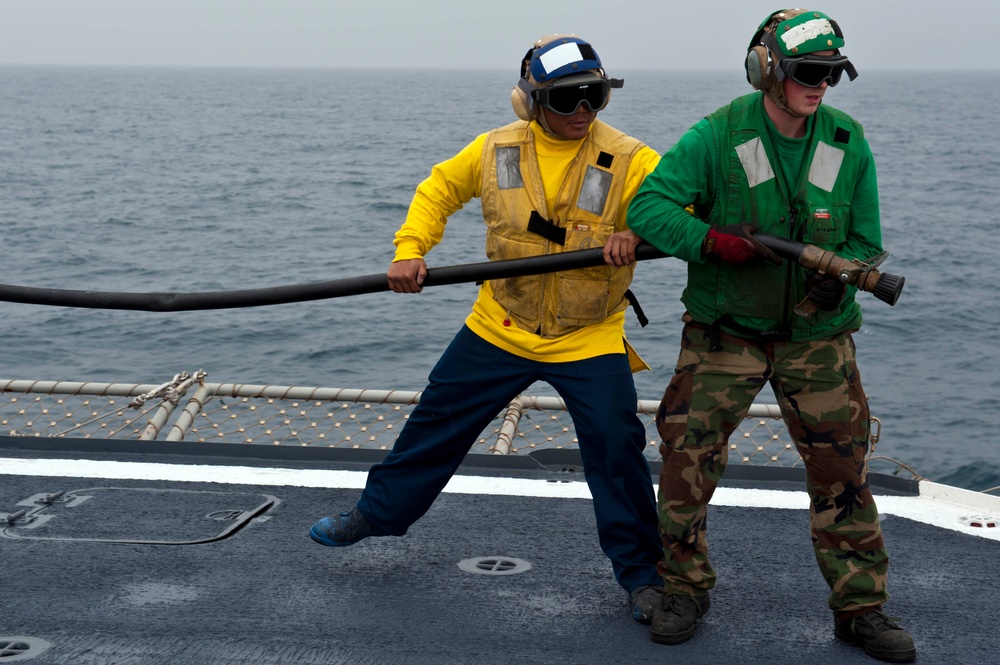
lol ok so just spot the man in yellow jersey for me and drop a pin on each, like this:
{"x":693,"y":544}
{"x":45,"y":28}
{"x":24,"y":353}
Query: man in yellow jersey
{"x":556,"y":180}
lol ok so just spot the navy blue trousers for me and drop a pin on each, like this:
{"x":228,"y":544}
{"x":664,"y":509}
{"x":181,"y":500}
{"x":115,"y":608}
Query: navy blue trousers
{"x":471,"y":383}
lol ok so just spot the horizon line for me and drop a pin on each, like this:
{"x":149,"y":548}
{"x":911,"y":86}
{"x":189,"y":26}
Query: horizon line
{"x":433,"y":68}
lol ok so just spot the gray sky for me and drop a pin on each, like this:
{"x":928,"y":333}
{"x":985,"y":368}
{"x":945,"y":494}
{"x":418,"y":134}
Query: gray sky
{"x":628,"y":34}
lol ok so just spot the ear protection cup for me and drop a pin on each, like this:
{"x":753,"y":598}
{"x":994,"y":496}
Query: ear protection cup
{"x":522,"y":105}
{"x":758,"y":66}
{"x":523,"y":108}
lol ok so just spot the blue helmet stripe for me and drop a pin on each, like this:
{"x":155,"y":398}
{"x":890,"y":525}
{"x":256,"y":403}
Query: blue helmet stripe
{"x":562,"y":58}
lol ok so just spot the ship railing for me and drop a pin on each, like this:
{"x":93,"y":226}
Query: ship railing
{"x":187,"y":408}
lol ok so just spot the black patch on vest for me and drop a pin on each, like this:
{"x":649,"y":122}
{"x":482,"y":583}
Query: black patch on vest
{"x":841,"y":135}
{"x":604,"y":160}
{"x":546,"y":229}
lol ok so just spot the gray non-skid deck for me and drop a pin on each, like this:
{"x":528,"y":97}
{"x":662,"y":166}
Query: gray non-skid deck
{"x":266,"y":593}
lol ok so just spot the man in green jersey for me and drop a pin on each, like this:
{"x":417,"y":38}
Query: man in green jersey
{"x":779,"y":162}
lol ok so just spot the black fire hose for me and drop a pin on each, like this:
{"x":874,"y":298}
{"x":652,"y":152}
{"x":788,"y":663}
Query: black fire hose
{"x":884,"y":286}
{"x":338,"y":288}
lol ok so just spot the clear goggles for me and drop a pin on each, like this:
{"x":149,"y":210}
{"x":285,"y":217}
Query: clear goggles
{"x":812,"y":72}
{"x":566,"y":99}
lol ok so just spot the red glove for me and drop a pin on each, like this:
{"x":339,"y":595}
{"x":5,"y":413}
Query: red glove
{"x":734,"y":244}
{"x":731,"y":249}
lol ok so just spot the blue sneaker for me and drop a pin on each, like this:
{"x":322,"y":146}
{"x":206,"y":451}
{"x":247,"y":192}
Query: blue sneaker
{"x":643,"y":600}
{"x":345,"y":529}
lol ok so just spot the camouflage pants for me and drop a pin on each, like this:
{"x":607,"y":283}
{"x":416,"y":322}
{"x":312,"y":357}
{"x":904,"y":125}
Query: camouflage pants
{"x":818,"y":388}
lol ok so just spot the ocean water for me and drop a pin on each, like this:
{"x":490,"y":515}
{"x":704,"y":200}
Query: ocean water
{"x":144,"y":179}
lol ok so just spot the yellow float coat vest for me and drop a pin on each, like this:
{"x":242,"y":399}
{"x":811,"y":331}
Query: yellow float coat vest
{"x":586,"y":211}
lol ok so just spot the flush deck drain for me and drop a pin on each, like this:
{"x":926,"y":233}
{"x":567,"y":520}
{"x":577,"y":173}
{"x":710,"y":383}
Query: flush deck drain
{"x":21,"y":648}
{"x":494,"y":565}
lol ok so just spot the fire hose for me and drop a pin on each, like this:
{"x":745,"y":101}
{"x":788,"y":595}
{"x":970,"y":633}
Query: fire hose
{"x":862,"y":274}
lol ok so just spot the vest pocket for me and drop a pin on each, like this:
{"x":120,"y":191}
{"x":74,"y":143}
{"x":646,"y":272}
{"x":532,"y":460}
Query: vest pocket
{"x":582,"y":300}
{"x":587,"y":234}
{"x":583,"y":294}
{"x":826,"y":226}
{"x":519,"y":295}
{"x":753,"y":290}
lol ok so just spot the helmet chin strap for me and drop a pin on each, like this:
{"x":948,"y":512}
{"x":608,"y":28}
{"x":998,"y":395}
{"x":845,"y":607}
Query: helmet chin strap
{"x":775,"y":90}
{"x":543,"y":123}
{"x":779,"y":102}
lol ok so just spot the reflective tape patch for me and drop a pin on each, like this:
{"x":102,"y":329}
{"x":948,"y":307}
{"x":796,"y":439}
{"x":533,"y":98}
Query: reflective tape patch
{"x":563,"y":54}
{"x":509,"y":168}
{"x":825,"y":166}
{"x":755,"y":162}
{"x":800,"y":34}
{"x":594,"y":192}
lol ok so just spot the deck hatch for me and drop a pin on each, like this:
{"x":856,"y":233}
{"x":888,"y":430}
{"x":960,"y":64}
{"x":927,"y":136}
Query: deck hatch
{"x":133,"y":515}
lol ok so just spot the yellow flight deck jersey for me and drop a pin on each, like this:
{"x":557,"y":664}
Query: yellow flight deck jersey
{"x":456,"y":181}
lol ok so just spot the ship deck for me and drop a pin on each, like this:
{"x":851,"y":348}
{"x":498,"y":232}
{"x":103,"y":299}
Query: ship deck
{"x":175,"y":553}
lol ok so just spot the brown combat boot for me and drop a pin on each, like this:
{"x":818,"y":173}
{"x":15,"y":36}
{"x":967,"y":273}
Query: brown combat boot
{"x":880,"y":637}
{"x":675,"y":618}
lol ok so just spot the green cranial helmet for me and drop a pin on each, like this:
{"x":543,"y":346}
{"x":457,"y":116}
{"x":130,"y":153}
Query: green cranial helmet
{"x":805,"y":32}
{"x":782,"y":47}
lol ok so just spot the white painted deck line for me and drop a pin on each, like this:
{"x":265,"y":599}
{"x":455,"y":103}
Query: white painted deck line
{"x":937,"y":505}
